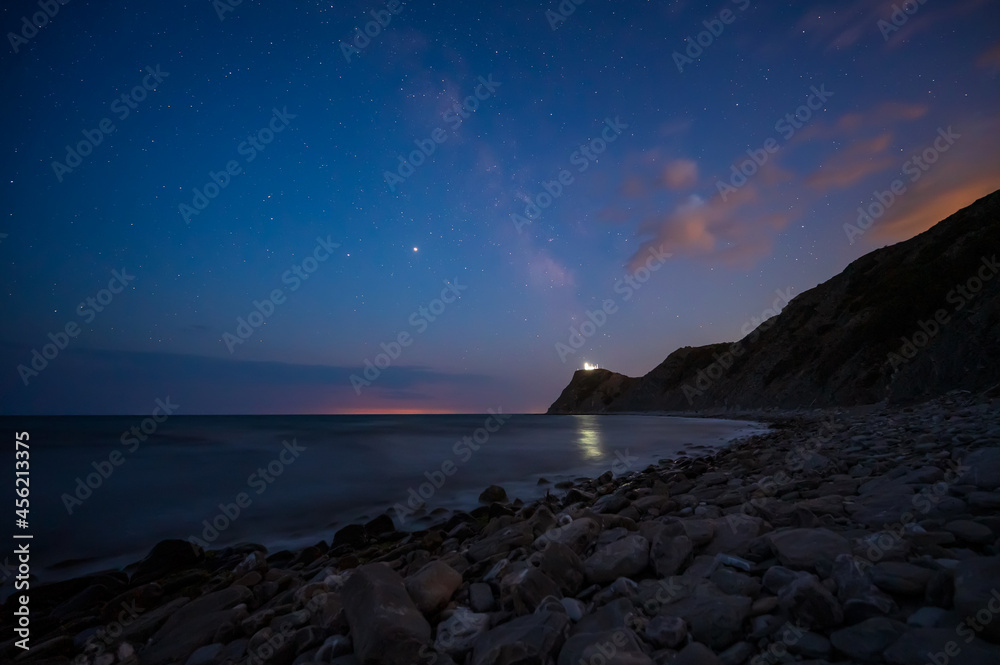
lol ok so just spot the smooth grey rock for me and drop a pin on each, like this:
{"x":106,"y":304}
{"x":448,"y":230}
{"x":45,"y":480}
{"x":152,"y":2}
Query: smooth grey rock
{"x":696,"y":653}
{"x":612,"y":647}
{"x":809,"y":549}
{"x":194,"y":625}
{"x":457,"y":634}
{"x":808,"y":601}
{"x":664,"y":631}
{"x":432,"y":586}
{"x":712,"y":618}
{"x":670,"y":554}
{"x":900,"y":578}
{"x":481,"y":597}
{"x":867,"y":640}
{"x":622,"y":558}
{"x":578,"y":535}
{"x":982,"y":469}
{"x":525,"y":589}
{"x":385,"y":623}
{"x":977,"y":590}
{"x":536,"y":636}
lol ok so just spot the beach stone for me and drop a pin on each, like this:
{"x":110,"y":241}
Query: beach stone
{"x":665,"y":631}
{"x":432,"y":586}
{"x":255,"y":562}
{"x":578,"y":535}
{"x":562,"y":565}
{"x":877,"y":511}
{"x":611,"y":647}
{"x":942,"y":646}
{"x":805,"y":599}
{"x":808,"y":644}
{"x":696,"y":653}
{"x":970,"y":532}
{"x":670,"y":554}
{"x":205,"y":655}
{"x":809,"y":549}
{"x":334,"y":646}
{"x":735,"y":583}
{"x":575,"y":609}
{"x":385,"y":623}
{"x":610,"y":616}
{"x":900,"y":578}
{"x":983,"y":500}
{"x":932,"y":617}
{"x":867,"y":640}
{"x":529,"y":639}
{"x":737,"y":654}
{"x":700,"y":532}
{"x":778,"y":577}
{"x":982,"y":469}
{"x":501,"y":542}
{"x":457,"y":634}
{"x":526,"y":588}
{"x":733,"y":534}
{"x":715,"y":619}
{"x":493,"y":494}
{"x":977,"y":594}
{"x":194,"y":625}
{"x":622,"y":558}
{"x":481,"y":597}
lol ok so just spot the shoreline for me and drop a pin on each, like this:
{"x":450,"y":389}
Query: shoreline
{"x":849,"y":529}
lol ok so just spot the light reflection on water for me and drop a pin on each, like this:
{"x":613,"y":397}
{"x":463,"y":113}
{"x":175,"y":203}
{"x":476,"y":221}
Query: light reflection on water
{"x":588,"y":437}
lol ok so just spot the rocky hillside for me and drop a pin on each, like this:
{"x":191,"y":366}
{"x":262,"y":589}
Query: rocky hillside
{"x":903,"y":323}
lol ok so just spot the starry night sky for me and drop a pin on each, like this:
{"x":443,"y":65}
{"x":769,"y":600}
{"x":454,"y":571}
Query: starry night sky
{"x":192,"y":89}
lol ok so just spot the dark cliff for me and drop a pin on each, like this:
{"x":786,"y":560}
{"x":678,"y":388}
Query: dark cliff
{"x":905,"y":322}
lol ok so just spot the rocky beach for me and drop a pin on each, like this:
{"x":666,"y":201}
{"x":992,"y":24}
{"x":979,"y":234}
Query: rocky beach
{"x":844,"y":535}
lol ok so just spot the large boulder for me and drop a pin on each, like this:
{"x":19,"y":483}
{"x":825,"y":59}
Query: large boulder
{"x":529,"y":639}
{"x":611,"y":647}
{"x":866,"y":641}
{"x":714,"y":619}
{"x":809,"y":549}
{"x":977,"y":593}
{"x":622,"y":558}
{"x":194,"y":625}
{"x":578,"y":535}
{"x":670,"y":554}
{"x":432,"y":586}
{"x":982,"y":469}
{"x":385,"y":624}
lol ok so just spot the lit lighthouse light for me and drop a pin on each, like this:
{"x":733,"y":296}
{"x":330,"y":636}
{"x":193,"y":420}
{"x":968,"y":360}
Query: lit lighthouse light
{"x":588,"y":366}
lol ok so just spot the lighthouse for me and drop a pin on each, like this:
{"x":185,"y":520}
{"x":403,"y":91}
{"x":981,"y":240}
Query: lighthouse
{"x":588,"y":367}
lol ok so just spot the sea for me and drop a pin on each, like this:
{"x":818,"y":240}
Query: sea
{"x":104,"y":490}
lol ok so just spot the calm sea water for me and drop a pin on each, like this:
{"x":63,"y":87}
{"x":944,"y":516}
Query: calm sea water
{"x":334,"y":470}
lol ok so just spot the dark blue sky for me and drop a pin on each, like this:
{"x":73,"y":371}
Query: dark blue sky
{"x":308,"y":214}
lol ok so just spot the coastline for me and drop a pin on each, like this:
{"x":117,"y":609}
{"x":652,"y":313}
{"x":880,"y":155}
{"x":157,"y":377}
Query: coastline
{"x":840,"y":535}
